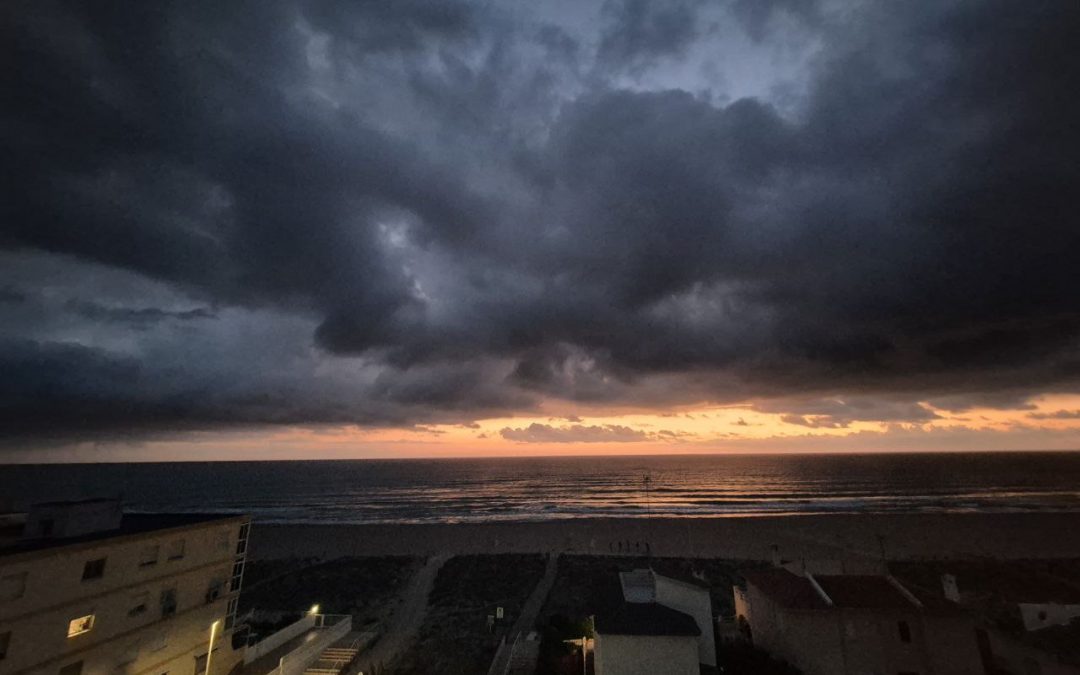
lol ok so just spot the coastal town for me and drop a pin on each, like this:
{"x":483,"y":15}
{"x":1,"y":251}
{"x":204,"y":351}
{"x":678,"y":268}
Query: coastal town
{"x":89,"y":589}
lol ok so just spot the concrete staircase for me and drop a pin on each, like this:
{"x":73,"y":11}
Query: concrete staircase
{"x":332,"y":661}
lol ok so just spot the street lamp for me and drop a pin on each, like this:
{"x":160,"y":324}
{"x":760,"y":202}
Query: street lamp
{"x":210,"y":651}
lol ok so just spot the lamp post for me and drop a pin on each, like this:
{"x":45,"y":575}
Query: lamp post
{"x":210,"y":651}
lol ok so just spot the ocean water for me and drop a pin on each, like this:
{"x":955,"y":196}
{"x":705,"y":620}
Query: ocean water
{"x":524,"y":489}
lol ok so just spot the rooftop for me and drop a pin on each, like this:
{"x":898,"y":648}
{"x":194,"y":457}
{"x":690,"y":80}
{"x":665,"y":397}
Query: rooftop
{"x":641,"y":618}
{"x":130,"y":524}
{"x":846,"y":591}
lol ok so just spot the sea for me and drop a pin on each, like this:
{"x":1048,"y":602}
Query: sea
{"x":535,"y":488}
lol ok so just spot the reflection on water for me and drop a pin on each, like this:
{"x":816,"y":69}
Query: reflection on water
{"x":546,"y":488}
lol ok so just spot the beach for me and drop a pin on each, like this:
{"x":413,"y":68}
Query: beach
{"x":896,"y":536}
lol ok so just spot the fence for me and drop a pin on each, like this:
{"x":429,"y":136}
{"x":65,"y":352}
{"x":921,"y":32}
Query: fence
{"x":275,"y":640}
{"x":334,"y":627}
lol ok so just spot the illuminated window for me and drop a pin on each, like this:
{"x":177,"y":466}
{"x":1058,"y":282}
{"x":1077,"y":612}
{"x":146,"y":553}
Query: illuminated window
{"x":81,"y":625}
{"x":149,"y":555}
{"x":93,"y":569}
{"x":176,"y":550}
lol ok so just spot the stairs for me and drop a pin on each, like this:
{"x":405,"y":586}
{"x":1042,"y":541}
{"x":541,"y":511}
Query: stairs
{"x":331,"y":661}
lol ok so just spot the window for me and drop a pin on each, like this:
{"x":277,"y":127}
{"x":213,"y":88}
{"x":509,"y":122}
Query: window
{"x":176,"y":550}
{"x":45,"y":529}
{"x":200,"y":664}
{"x":93,"y":569}
{"x":905,"y":631}
{"x":168,"y":602}
{"x":230,"y":613}
{"x":5,"y":640}
{"x":12,"y":586}
{"x":214,"y":591}
{"x":237,"y":575}
{"x":149,"y":555}
{"x":84,"y":624}
{"x":72,"y":669}
{"x":139,"y":603}
{"x":241,"y":544}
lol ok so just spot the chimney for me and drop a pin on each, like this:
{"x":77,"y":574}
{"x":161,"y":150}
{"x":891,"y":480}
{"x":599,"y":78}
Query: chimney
{"x":951,"y":588}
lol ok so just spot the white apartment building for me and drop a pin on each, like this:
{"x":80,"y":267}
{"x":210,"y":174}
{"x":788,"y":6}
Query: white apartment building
{"x":88,"y":590}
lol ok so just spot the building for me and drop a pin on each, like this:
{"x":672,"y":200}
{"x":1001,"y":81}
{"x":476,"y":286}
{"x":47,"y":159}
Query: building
{"x":656,"y":625}
{"x":88,"y":590}
{"x":1029,"y":611}
{"x":855,"y":624}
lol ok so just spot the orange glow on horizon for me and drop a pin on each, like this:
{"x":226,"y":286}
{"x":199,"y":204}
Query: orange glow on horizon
{"x":1053,"y":424}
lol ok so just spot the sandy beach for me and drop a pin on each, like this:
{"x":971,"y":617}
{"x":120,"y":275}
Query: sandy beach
{"x":899,"y":536}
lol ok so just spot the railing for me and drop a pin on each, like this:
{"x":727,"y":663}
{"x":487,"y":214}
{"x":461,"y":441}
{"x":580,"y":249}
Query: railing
{"x":500,"y":664}
{"x":275,"y":640}
{"x":335,"y":627}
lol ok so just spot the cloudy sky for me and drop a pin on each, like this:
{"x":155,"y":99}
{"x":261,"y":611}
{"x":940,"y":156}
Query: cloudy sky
{"x":288,"y":228}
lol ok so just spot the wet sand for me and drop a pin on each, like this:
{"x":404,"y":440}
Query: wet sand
{"x":898,"y":536}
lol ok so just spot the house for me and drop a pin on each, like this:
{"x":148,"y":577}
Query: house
{"x":1029,"y":612}
{"x":848,"y":624}
{"x":656,"y":624}
{"x":88,"y":590}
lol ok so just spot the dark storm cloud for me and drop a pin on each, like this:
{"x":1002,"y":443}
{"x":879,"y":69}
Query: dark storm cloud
{"x":639,"y":32}
{"x":425,"y":211}
{"x":142,"y":316}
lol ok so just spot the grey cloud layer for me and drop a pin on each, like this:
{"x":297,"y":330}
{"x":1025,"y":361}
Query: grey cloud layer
{"x":442,"y":210}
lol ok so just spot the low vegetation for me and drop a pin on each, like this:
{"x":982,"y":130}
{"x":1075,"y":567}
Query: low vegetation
{"x":455,"y":638}
{"x":366,"y":588}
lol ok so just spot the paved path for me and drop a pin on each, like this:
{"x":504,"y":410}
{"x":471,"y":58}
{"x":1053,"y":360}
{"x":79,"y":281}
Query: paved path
{"x":532,"y":607}
{"x":527,"y":618}
{"x":405,"y":623}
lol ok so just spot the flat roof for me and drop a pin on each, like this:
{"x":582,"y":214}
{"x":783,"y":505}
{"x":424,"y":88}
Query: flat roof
{"x":646,"y":618}
{"x":130,"y":525}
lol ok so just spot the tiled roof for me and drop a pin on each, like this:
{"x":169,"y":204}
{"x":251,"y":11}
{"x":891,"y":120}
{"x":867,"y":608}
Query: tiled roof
{"x":785,"y":588}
